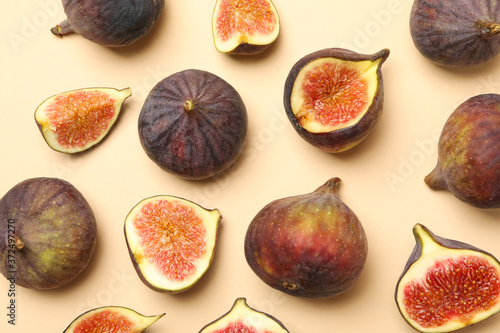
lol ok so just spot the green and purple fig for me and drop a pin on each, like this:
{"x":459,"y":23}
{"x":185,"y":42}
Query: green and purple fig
{"x":446,"y":284}
{"x":469,"y":153}
{"x":456,"y":33}
{"x":310,"y":245}
{"x":109,"y":23}
{"x":334,"y":97}
{"x":49,"y":228}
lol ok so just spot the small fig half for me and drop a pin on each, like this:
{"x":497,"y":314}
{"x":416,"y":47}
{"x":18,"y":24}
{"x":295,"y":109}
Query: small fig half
{"x":456,"y":33}
{"x":76,"y":120}
{"x":243,"y":318}
{"x":447,"y":285}
{"x":469,"y":153}
{"x":244,"y":27}
{"x":334,"y":97}
{"x":171,"y":241}
{"x":310,"y":245}
{"x":111,"y":319}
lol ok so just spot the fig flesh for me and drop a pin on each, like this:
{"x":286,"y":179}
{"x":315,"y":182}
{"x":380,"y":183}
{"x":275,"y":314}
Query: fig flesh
{"x":193,"y":124}
{"x":111,"y":319}
{"x":468,"y":153}
{"x":171,"y":241}
{"x":49,"y":228}
{"x":109,"y":23}
{"x":334,"y":97}
{"x":456,"y":33}
{"x":74,"y":121}
{"x":244,"y":27}
{"x":310,"y":245}
{"x":447,"y":285}
{"x":243,"y":318}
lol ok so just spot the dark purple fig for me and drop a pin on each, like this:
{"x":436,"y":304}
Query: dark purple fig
{"x":243,"y":318}
{"x":469,"y":153}
{"x":309,"y":245}
{"x":47,"y":233}
{"x":447,"y":285}
{"x":456,"y":33}
{"x":193,"y":124}
{"x":111,"y":319}
{"x":109,"y":23}
{"x":334,"y":97}
{"x":244,"y":27}
{"x":171,"y":241}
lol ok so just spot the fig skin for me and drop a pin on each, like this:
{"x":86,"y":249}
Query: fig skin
{"x":54,"y":230}
{"x":109,"y":23}
{"x":456,"y":33}
{"x":310,"y":245}
{"x":345,"y":138}
{"x":193,"y":124}
{"x":469,"y":153}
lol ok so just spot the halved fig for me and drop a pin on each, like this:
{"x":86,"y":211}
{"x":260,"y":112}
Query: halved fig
{"x":244,"y":27}
{"x":111,"y":319}
{"x":76,"y":120}
{"x":446,"y":284}
{"x":171,"y":241}
{"x":334,"y":97}
{"x":243,"y":318}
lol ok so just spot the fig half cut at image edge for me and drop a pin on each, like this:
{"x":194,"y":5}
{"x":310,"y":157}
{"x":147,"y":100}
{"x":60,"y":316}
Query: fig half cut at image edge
{"x":76,"y":120}
{"x":111,"y":319}
{"x":334,"y":97}
{"x":171,"y":241}
{"x":447,"y":285}
{"x":243,"y":318}
{"x":244,"y":27}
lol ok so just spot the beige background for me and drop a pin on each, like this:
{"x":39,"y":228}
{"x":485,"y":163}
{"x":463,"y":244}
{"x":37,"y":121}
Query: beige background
{"x":382,"y":179}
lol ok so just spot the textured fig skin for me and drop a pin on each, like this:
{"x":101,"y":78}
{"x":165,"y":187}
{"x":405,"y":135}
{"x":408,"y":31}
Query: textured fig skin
{"x":469,"y":153}
{"x":37,"y":205}
{"x":449,"y":39}
{"x":310,"y":245}
{"x":348,"y":137}
{"x":109,"y":23}
{"x":197,"y":143}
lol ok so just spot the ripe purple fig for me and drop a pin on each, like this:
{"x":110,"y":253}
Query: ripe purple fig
{"x":310,"y":245}
{"x":468,"y":153}
{"x":109,"y":23}
{"x":456,"y":33}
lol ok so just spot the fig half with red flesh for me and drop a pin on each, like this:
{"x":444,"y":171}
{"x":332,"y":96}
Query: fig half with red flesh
{"x":446,"y":284}
{"x":334,"y":97}
{"x":112,"y":319}
{"x":171,"y":241}
{"x":76,"y":120}
{"x":243,"y":318}
{"x":244,"y":26}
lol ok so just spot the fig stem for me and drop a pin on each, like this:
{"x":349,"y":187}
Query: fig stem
{"x":63,"y":28}
{"x":435,"y":179}
{"x":331,"y":186}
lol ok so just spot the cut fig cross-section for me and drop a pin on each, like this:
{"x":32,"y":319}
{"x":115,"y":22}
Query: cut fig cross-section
{"x":116,"y":319}
{"x":447,"y":285}
{"x":334,"y":97}
{"x":171,"y":241}
{"x":243,"y":318}
{"x":76,"y":120}
{"x":244,"y":27}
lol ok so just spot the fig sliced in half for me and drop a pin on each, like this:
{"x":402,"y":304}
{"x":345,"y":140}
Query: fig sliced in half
{"x":446,"y":284}
{"x":111,"y":319}
{"x":76,"y":120}
{"x":334,"y":97}
{"x":243,"y":318}
{"x":244,"y":26}
{"x":171,"y":241}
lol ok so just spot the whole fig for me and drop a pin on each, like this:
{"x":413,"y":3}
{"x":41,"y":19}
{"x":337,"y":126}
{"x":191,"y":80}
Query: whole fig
{"x":310,"y":245}
{"x":109,"y":23}
{"x":456,"y":33}
{"x":469,"y":153}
